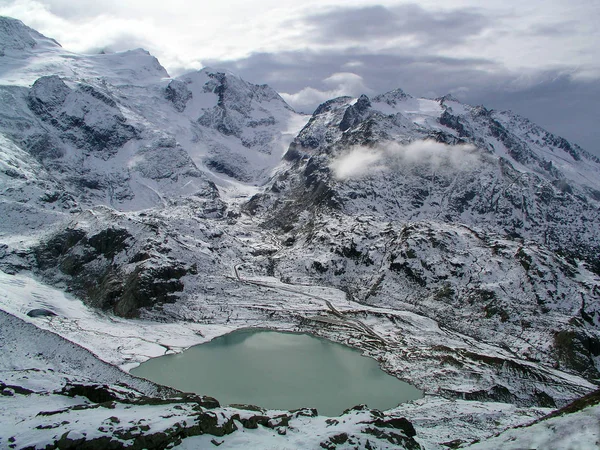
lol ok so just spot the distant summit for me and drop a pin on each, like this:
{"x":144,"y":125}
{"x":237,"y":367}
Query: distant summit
{"x":448,"y":98}
{"x":391,"y":97}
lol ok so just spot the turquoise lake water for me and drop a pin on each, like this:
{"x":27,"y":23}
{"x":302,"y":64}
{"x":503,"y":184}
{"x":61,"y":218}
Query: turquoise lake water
{"x":280,"y":371}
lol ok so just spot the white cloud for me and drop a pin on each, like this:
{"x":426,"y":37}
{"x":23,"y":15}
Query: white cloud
{"x":339,"y":84}
{"x":353,"y":64}
{"x":179,"y":33}
{"x":536,"y":35}
{"x":360,"y":161}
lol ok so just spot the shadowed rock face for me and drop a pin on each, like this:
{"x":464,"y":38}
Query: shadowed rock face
{"x":95,"y":269}
{"x":577,"y":349}
{"x":356,"y":113}
{"x":486,"y":191}
{"x":178,"y":94}
{"x":85,"y":117}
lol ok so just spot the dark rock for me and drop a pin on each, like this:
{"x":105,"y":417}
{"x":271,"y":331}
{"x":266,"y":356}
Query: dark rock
{"x":544,"y":400}
{"x":139,"y":257}
{"x":94,"y":393}
{"x":254,"y":421}
{"x":456,"y":443}
{"x":361,"y":407}
{"x":356,"y":113}
{"x":576,"y":350}
{"x":59,"y":245}
{"x":104,"y":98}
{"x":47,"y":95}
{"x":44,"y":147}
{"x":454,"y":123}
{"x":47,"y":98}
{"x":282,"y":420}
{"x":145,"y":287}
{"x":203,"y":401}
{"x":178,"y":94}
{"x":109,"y":242}
{"x":394,"y":438}
{"x":14,"y":389}
{"x":225,"y":167}
{"x":496,"y":393}
{"x":306,"y":412}
{"x":247,"y":407}
{"x":208,"y":423}
{"x":87,"y":262}
{"x":399,"y":423}
{"x":41,"y":313}
{"x":339,"y":438}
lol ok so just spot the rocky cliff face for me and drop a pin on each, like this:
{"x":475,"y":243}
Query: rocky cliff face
{"x":524,"y":183}
{"x":244,"y":128}
{"x":461,"y":180}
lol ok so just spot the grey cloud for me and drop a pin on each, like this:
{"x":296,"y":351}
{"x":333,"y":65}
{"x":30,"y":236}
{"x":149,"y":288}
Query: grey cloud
{"x":291,"y":71}
{"x":431,"y":29}
{"x":558,"y":102}
{"x":561,"y":104}
{"x":555,"y":29}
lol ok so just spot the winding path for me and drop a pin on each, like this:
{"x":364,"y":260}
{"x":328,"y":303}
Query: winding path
{"x":343,"y":320}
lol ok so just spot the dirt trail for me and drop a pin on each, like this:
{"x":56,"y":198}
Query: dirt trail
{"x":343,"y":320}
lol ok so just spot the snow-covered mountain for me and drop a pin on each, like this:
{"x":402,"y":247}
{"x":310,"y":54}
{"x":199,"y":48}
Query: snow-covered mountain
{"x":458,"y":246}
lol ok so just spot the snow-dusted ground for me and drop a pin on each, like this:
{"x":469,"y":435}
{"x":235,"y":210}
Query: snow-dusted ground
{"x":56,"y":393}
{"x":578,"y":430}
{"x":435,"y":418}
{"x":125,"y":342}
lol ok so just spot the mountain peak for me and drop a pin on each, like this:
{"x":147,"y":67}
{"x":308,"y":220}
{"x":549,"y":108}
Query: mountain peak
{"x":15,"y":36}
{"x":391,"y":97}
{"x":447,"y":98}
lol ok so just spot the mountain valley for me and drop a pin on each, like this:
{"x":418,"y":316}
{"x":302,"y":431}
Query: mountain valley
{"x":142,"y":214}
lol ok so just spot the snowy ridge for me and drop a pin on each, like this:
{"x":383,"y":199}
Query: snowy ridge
{"x":17,"y":38}
{"x":27,"y":55}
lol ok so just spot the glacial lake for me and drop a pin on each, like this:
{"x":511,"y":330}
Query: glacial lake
{"x":280,"y":371}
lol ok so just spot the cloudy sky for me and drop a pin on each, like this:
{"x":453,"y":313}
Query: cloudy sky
{"x":538,"y":58}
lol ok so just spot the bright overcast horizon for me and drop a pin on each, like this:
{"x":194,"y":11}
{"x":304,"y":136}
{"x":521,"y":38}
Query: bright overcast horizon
{"x":540,"y":59}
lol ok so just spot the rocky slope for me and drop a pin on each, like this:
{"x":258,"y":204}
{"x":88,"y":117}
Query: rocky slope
{"x":487,"y":235}
{"x":456,"y":245}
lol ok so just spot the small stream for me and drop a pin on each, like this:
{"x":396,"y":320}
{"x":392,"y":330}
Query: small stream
{"x":280,"y":371}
